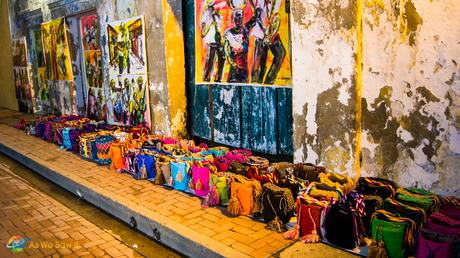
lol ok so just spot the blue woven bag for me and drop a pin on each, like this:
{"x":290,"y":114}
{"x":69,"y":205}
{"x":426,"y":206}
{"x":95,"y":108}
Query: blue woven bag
{"x":179,"y":171}
{"x":146,"y":166}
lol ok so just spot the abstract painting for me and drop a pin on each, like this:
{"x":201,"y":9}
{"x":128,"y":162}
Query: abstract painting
{"x":242,"y":41}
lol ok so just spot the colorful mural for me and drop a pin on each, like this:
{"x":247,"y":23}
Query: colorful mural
{"x":241,"y":42}
{"x":21,"y":76}
{"x":129,"y":93}
{"x":56,"y":50}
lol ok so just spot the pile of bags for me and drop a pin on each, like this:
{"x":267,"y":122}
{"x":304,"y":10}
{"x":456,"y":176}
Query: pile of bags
{"x":400,"y":221}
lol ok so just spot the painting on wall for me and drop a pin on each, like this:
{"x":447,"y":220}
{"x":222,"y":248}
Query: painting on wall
{"x":62,"y":96}
{"x":126,"y":46}
{"x":21,"y":76}
{"x":93,"y":68}
{"x":129,"y":93}
{"x":56,"y":50}
{"x":90,"y":32}
{"x":242,"y":41}
{"x":95,"y":98}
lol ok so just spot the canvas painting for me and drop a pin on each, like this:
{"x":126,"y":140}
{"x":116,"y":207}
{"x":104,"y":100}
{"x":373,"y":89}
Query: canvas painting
{"x":93,"y":68}
{"x":62,"y":97}
{"x":129,"y":93}
{"x":126,"y":46}
{"x":242,"y":42}
{"x":56,"y":50}
{"x":21,"y":76}
{"x":90,"y":32}
{"x":19,"y":52}
{"x":129,"y":96}
{"x":96,"y":107}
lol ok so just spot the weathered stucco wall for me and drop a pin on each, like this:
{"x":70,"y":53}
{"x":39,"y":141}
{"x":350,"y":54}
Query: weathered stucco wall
{"x":409,"y":83}
{"x":164,"y":39}
{"x":411,"y":79}
{"x":7,"y":93}
{"x":324,"y":104}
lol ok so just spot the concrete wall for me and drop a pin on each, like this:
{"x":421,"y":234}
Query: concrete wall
{"x":381,"y":99}
{"x":165,"y":56}
{"x":7,"y":93}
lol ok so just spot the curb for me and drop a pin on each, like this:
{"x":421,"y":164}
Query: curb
{"x":155,"y":225}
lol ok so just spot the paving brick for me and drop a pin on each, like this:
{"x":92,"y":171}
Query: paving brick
{"x":242,"y":247}
{"x":175,"y":206}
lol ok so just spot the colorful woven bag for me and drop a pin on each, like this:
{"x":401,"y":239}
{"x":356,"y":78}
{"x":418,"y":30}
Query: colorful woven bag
{"x":66,"y":143}
{"x":416,"y":214}
{"x":201,"y":173}
{"x":397,"y":233}
{"x":164,"y":167}
{"x":116,"y":156}
{"x":180,"y":175}
{"x":420,"y":198}
{"x":146,"y":166}
{"x":103,"y":143}
{"x":277,"y":206}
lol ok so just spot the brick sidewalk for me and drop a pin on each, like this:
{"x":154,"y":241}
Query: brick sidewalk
{"x":28,"y":212}
{"x":180,"y":212}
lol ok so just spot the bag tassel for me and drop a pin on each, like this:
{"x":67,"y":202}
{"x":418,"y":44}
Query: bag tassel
{"x":198,"y":185}
{"x":143,"y":172}
{"x":313,"y":237}
{"x":191,"y":186}
{"x":292,"y":233}
{"x":377,"y":248}
{"x":234,"y":206}
{"x":170,"y":181}
{"x":276,"y":225}
{"x":179,"y":177}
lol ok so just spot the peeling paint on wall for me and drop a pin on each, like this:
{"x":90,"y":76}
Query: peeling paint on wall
{"x":323,"y":48}
{"x":410,"y":89}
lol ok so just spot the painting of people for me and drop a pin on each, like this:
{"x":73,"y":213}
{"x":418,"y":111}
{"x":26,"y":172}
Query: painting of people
{"x":126,"y":46}
{"x":56,"y":50}
{"x":242,"y":41}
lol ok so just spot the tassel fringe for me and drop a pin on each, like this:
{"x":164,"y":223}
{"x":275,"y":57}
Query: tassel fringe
{"x":292,"y":233}
{"x":198,"y":185}
{"x":179,"y":176}
{"x":234,"y":206}
{"x":310,"y":238}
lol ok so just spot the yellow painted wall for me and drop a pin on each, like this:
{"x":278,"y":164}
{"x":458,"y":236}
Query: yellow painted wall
{"x":7,"y":94}
{"x":175,"y":61}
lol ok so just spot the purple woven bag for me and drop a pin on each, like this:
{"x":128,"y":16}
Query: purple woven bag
{"x":48,"y":133}
{"x":443,"y":224}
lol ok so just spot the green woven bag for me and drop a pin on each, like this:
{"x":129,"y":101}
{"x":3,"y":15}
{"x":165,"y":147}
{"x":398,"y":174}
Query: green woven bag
{"x":393,"y":236}
{"x":426,"y":202}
